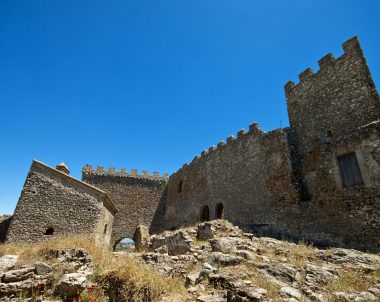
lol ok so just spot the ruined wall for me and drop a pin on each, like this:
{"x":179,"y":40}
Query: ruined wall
{"x":137,"y":197}
{"x":51,"y":199}
{"x":250,"y":175}
{"x":334,"y":112}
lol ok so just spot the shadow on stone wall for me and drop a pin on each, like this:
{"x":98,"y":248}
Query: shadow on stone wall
{"x":157,"y":224}
{"x":5,"y":221}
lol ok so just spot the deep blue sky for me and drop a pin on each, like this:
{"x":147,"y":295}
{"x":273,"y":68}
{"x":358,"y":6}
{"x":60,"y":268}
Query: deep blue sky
{"x":150,"y":84}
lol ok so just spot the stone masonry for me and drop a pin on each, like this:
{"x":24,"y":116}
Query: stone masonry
{"x":54,"y":203}
{"x":318,"y":180}
{"x":288,"y":182}
{"x":137,"y":198}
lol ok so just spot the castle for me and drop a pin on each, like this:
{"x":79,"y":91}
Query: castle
{"x":318,"y":180}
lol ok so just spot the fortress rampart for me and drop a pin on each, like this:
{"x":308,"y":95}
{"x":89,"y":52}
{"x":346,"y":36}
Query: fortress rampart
{"x":244,"y":180}
{"x":318,"y":180}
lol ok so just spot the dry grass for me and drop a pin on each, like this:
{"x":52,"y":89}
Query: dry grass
{"x":133,"y":274}
{"x":273,"y":289}
{"x":353,"y":280}
{"x":135,"y":277}
{"x":30,"y":253}
{"x":296,"y":255}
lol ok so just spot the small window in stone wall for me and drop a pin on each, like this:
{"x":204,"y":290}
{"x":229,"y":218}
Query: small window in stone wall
{"x":349,"y":170}
{"x":180,"y":187}
{"x":49,"y":231}
{"x":105,"y":228}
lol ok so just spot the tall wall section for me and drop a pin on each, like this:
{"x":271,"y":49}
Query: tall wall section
{"x":138,"y":198}
{"x":335,"y":112}
{"x":53,"y":203}
{"x":290,"y":182}
{"x":250,"y":176}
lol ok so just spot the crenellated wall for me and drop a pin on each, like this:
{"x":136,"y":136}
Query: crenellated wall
{"x":138,"y":198}
{"x":335,"y":112}
{"x":334,"y":101}
{"x":251,"y":176}
{"x":288,"y":182}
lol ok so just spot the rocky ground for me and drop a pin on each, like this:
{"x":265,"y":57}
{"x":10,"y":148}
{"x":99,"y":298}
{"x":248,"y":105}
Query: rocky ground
{"x":213,"y":261}
{"x":221,"y":263}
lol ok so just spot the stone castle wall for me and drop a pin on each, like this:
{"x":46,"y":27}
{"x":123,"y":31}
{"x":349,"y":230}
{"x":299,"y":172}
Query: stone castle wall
{"x":336,"y":112}
{"x":137,"y":198}
{"x":52,"y":200}
{"x":251,"y":176}
{"x":287,"y":182}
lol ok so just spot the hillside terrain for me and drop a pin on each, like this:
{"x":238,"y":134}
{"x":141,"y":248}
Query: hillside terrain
{"x":212,"y":261}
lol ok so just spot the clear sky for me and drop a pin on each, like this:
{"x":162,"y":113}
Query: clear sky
{"x":150,"y":84}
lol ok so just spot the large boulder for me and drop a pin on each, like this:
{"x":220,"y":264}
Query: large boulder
{"x":224,"y":245}
{"x":71,"y":285}
{"x":7,"y":262}
{"x":224,"y":259}
{"x":42,"y":268}
{"x":205,"y":231}
{"x":178,"y":243}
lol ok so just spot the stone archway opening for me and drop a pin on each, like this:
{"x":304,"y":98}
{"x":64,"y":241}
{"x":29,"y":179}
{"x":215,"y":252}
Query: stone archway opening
{"x":205,"y":213}
{"x":124,"y":245}
{"x":219,"y":211}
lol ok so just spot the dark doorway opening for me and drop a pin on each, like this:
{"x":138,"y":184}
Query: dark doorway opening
{"x":219,"y":211}
{"x":205,"y":213}
{"x":49,"y":231}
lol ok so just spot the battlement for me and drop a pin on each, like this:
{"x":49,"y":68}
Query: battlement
{"x":242,"y":134}
{"x":88,"y":170}
{"x":350,"y":47}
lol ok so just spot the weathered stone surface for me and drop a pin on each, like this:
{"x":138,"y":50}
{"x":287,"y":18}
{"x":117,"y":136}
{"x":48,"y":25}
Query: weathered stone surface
{"x":205,"y":231}
{"x":352,"y":257}
{"x":224,"y":245}
{"x":54,"y":203}
{"x":144,"y":195}
{"x":281,"y":272}
{"x":42,"y":268}
{"x":7,"y":262}
{"x":318,"y":276}
{"x":210,"y":298}
{"x":177,"y":244}
{"x":17,"y":275}
{"x":71,"y":284}
{"x":290,"y":292}
{"x":224,"y":259}
{"x":141,"y":238}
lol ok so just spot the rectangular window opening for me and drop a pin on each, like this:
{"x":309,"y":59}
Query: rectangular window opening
{"x":105,"y":229}
{"x":349,"y":170}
